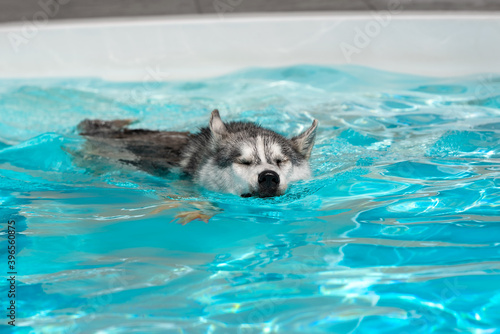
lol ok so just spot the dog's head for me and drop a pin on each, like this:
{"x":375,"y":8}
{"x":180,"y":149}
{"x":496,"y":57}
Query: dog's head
{"x":249,"y":160}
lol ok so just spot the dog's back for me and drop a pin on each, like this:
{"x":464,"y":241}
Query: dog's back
{"x":155,"y":152}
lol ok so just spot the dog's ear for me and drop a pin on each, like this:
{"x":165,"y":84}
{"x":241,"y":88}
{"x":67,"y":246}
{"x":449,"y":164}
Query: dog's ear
{"x":217,"y":126}
{"x":304,"y":142}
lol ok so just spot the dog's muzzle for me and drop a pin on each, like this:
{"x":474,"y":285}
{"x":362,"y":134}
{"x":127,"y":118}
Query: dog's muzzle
{"x":269,"y":182}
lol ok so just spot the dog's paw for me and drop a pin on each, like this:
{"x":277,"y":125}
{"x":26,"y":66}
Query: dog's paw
{"x":186,"y":217}
{"x":203,"y":211}
{"x":167,"y":205}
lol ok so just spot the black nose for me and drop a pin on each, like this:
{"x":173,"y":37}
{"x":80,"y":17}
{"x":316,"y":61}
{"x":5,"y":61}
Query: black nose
{"x":269,"y":179}
{"x":268,"y":183}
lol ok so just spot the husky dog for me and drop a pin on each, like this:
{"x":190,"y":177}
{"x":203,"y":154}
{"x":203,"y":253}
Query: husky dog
{"x":240,"y":158}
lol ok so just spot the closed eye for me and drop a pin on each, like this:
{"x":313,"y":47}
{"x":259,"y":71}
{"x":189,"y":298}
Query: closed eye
{"x":244,"y":162}
{"x":280,"y":161}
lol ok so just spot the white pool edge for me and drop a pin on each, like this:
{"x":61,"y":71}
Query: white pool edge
{"x":195,"y":46}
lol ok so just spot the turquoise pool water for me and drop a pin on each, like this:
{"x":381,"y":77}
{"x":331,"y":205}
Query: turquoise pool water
{"x":398,"y":231}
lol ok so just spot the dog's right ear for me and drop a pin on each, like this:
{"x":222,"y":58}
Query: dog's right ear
{"x":217,"y":127}
{"x":304,"y":142}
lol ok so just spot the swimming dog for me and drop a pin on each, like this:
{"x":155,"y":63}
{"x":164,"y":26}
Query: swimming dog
{"x":240,"y":158}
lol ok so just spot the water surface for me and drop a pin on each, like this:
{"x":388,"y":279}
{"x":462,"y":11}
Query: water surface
{"x":398,"y":229}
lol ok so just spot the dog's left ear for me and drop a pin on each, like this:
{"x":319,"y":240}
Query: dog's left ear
{"x":217,"y":127}
{"x":304,"y":142}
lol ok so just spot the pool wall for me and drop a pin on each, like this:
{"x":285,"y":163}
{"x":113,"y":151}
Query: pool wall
{"x":187,"y":47}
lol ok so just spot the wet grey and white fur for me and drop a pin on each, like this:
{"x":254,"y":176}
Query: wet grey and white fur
{"x":246,"y":159}
{"x":240,"y":158}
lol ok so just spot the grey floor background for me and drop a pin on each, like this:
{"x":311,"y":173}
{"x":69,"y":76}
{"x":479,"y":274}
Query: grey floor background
{"x":19,"y":10}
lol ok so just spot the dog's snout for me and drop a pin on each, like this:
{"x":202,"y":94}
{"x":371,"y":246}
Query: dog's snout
{"x":269,"y":178}
{"x":268,"y":183}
